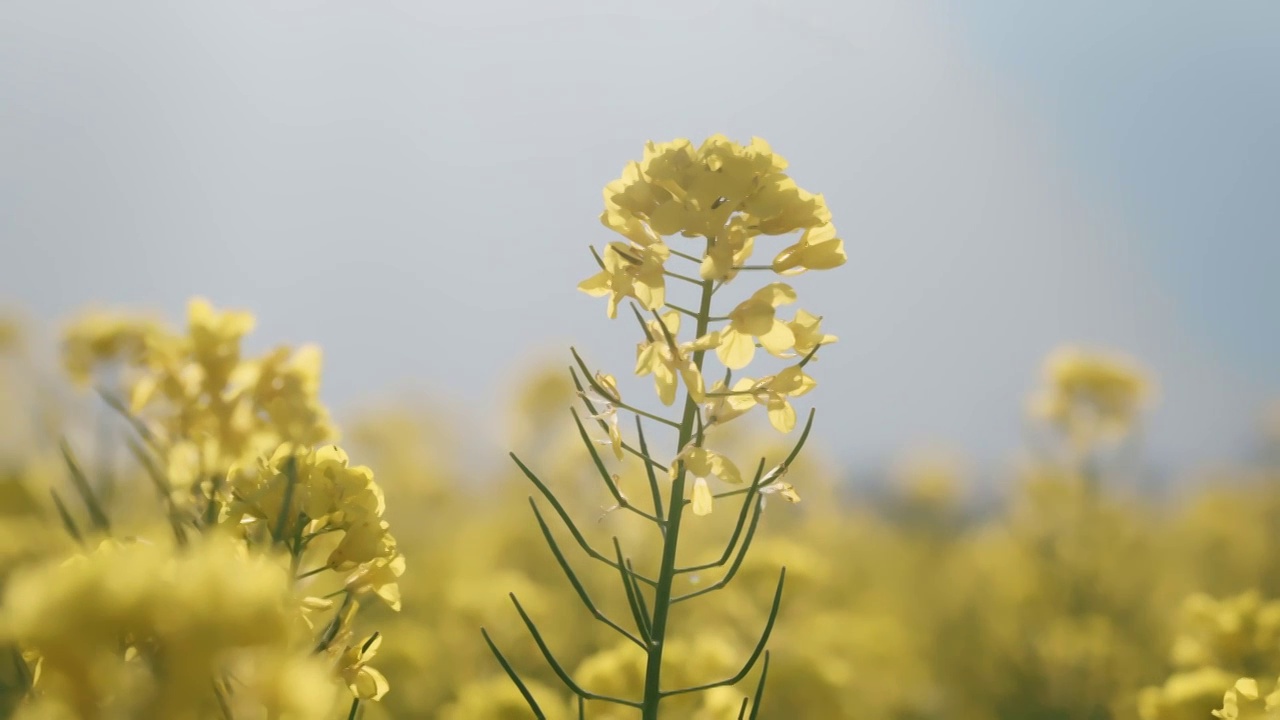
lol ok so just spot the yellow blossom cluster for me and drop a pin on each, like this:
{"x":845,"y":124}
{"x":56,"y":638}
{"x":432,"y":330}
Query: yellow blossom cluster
{"x":206,"y":405}
{"x":724,"y":195}
{"x":298,"y":494}
{"x":1218,"y":641}
{"x":134,"y":629}
{"x":242,"y":596}
{"x":1091,"y":395}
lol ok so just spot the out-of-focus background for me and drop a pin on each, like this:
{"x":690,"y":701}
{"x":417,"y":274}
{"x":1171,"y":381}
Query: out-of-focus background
{"x":414,"y":186}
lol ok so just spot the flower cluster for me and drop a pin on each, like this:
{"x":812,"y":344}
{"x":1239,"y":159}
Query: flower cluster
{"x":255,"y":501}
{"x":303,"y":496}
{"x":164,"y":633}
{"x":206,"y":405}
{"x":1091,"y":395}
{"x":1218,"y":641}
{"x":724,"y":195}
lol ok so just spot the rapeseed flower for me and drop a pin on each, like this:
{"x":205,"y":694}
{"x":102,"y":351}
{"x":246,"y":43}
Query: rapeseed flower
{"x":753,"y":319}
{"x":630,"y":271}
{"x":660,"y":355}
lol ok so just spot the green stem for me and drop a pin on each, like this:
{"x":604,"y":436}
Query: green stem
{"x":684,"y":255}
{"x":667,"y":570}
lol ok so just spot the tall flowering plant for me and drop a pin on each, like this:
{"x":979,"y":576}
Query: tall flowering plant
{"x":688,"y":218}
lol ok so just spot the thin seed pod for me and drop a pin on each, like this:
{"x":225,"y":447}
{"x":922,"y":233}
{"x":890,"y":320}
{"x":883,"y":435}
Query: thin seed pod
{"x":515,"y":678}
{"x":97,"y":516}
{"x":577,"y":584}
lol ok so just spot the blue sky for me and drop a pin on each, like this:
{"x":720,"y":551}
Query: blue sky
{"x":1173,"y":111}
{"x":413,"y":186}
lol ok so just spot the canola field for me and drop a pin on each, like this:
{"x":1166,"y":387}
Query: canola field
{"x":185,"y":532}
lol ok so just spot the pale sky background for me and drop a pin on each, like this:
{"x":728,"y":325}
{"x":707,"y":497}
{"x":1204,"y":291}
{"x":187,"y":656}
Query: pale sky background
{"x":414,"y":185}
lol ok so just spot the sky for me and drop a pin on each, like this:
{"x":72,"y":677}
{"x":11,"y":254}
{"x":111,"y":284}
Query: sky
{"x":414,"y":187}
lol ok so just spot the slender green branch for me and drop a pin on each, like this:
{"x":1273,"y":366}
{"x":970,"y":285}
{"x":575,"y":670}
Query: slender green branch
{"x":644,"y":606}
{"x":606,"y":476}
{"x":311,"y":572}
{"x":591,"y":408}
{"x":644,"y":327}
{"x":573,"y":578}
{"x":119,"y":407}
{"x":764,"y":673}
{"x":555,"y":664}
{"x":331,"y":630}
{"x":755,"y":654}
{"x":568,"y":521}
{"x":811,"y":355}
{"x":97,"y":515}
{"x":65,"y":515}
{"x":737,"y":530}
{"x":596,"y":255}
{"x":616,"y":402}
{"x":804,"y":437}
{"x":278,"y":533}
{"x":628,"y":584}
{"x":515,"y":678}
{"x":678,"y":276}
{"x":737,"y":560}
{"x":685,"y":255}
{"x":654,"y":489}
{"x":164,"y":489}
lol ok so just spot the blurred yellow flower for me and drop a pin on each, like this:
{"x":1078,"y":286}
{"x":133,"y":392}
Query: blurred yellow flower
{"x":363,"y":681}
{"x":1245,"y":701}
{"x":1091,"y":394}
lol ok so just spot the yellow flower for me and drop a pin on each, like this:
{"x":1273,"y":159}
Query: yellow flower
{"x":379,"y":576}
{"x":285,"y":386}
{"x":702,"y":463}
{"x":657,"y":356}
{"x":630,"y":271}
{"x":729,"y":250}
{"x":363,"y":542}
{"x":772,"y":392}
{"x":677,"y":189}
{"x":807,"y":330}
{"x":754,"y":318}
{"x":817,"y":249}
{"x":102,"y":337}
{"x":720,"y":411}
{"x":364,"y":682}
{"x":1246,"y":702}
{"x":1091,"y":393}
{"x":215,"y":339}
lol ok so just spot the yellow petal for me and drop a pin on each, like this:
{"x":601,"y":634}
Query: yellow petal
{"x":736,"y":349}
{"x":778,"y":340}
{"x":701,"y":497}
{"x":775,"y":294}
{"x":782,"y":416}
{"x":597,"y":285}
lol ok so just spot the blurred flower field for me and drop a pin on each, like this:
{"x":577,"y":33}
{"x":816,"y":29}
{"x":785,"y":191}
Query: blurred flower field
{"x":186,"y":533}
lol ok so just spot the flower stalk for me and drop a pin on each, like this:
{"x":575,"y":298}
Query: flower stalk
{"x":728,"y":195}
